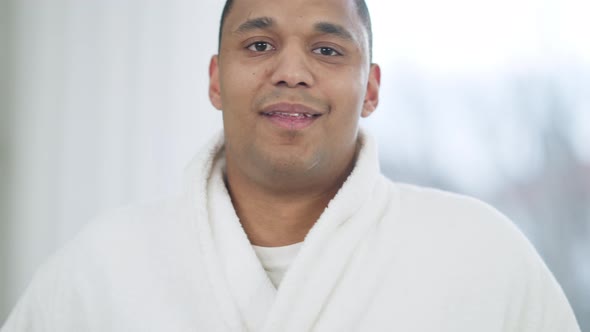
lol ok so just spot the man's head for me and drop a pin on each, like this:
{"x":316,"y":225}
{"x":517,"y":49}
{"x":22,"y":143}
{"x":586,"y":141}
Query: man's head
{"x":292,"y":78}
{"x":361,"y":7}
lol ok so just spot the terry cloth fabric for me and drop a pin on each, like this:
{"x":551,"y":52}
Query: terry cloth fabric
{"x":382,"y":257}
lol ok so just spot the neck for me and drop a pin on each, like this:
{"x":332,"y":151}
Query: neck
{"x":273,"y":217}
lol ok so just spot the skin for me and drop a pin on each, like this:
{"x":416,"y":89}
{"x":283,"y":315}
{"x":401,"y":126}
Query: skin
{"x":281,"y":179}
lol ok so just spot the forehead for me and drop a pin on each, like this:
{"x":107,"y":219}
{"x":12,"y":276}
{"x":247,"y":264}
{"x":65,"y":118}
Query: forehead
{"x":294,"y":15}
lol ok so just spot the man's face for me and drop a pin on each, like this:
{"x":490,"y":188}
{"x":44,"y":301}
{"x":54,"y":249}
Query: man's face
{"x":293,"y":78}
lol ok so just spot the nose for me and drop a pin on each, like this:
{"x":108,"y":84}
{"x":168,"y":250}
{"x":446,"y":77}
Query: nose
{"x":292,"y":69}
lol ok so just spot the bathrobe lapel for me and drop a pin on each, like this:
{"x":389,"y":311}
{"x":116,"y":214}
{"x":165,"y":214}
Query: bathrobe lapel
{"x":250,"y":286}
{"x":328,"y":247}
{"x":244,"y":294}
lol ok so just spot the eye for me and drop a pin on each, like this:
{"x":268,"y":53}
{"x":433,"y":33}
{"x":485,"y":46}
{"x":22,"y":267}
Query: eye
{"x":260,"y":46}
{"x":326,"y":51}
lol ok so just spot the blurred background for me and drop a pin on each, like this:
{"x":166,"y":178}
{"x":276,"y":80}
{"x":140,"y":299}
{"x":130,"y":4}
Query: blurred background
{"x":104,"y":102}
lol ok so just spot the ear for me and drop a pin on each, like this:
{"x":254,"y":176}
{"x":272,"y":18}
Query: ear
{"x":214,"y":89}
{"x":372,"y":93}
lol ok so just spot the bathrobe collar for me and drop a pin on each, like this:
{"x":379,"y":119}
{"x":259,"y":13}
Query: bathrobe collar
{"x":244,"y":294}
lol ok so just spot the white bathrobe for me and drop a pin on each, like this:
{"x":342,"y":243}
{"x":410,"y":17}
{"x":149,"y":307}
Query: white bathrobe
{"x":382,"y":257}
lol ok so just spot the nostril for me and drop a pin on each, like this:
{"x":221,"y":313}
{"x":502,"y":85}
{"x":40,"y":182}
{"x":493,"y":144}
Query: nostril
{"x":286,"y":84}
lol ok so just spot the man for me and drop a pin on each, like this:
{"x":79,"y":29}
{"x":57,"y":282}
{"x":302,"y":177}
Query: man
{"x":287,"y":223}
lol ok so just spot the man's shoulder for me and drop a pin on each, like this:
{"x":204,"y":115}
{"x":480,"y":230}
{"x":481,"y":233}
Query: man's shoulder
{"x":458,"y":221}
{"x":132,"y":220}
{"x":455,"y":249}
{"x":117,"y":256}
{"x":447,"y":207}
{"x":122,"y":235}
{"x":455,"y":234}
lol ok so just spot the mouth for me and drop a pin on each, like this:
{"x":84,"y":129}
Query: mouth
{"x":291,"y":116}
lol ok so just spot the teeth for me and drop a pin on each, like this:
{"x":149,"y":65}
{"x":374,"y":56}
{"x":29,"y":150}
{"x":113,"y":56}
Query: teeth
{"x":293,"y":115}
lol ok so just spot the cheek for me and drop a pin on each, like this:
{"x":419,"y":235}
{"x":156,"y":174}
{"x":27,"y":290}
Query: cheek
{"x":346,"y":98}
{"x":349,"y":96}
{"x":349,"y":82}
{"x":236,"y":87}
{"x":237,"y":96}
{"x":243,"y":79}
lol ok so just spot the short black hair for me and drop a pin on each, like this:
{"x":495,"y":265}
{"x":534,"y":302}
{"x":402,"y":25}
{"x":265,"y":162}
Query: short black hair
{"x":361,"y":6}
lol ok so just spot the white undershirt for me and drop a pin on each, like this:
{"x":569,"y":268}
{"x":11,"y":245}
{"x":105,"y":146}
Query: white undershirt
{"x":276,"y":260}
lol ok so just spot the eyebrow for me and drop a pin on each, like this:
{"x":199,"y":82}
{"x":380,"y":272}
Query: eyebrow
{"x":333,"y":29}
{"x":255,"y":24}
{"x":261,"y":23}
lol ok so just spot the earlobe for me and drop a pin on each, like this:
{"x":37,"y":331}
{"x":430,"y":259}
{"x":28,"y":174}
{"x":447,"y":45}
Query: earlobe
{"x":214,"y":88}
{"x":372,"y":94}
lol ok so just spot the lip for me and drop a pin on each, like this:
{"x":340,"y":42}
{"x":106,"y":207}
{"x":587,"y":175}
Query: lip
{"x":288,"y":108}
{"x":290,"y":116}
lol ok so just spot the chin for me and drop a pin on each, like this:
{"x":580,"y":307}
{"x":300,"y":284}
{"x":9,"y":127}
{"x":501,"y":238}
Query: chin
{"x":291,"y":162}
